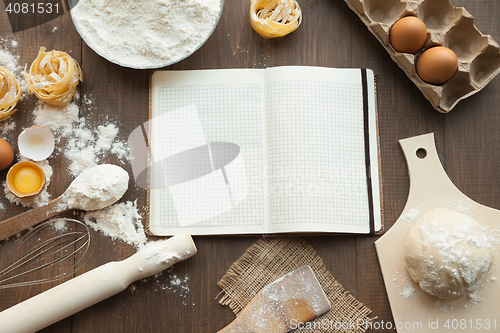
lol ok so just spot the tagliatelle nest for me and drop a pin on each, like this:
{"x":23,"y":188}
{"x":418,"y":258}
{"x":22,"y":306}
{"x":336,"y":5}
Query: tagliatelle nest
{"x":53,"y":77}
{"x":275,"y":18}
{"x":10,"y":91}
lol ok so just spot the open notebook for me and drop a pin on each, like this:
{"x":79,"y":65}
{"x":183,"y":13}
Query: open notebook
{"x":261,"y":151}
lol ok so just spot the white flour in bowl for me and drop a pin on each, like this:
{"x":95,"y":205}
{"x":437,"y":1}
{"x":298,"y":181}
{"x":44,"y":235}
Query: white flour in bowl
{"x":143,"y":34}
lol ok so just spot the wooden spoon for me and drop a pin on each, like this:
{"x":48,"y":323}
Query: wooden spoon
{"x":283,"y":305}
{"x":72,"y":198}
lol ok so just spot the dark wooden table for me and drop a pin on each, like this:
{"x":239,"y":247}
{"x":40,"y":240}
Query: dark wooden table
{"x":331,"y":35}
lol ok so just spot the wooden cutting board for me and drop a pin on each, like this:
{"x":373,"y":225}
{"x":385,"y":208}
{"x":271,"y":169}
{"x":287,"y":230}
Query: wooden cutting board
{"x":412,"y":309}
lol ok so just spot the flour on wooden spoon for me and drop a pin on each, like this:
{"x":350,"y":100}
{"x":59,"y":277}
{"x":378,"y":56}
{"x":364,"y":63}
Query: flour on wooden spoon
{"x":97,"y":187}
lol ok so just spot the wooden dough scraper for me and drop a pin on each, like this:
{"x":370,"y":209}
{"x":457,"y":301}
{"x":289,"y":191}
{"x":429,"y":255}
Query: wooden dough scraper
{"x":282,"y":305}
{"x":412,"y":309}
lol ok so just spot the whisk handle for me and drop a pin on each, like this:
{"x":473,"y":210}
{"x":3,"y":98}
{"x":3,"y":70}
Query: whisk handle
{"x":31,"y":217}
{"x":94,"y":286}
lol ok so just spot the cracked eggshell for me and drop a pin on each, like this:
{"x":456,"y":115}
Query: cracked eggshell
{"x":36,"y":143}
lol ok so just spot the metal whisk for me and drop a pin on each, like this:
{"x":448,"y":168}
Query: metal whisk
{"x":34,"y":260}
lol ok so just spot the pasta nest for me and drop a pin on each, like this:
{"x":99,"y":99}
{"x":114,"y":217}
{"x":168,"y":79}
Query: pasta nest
{"x":53,"y":77}
{"x":10,"y":92}
{"x":275,"y":18}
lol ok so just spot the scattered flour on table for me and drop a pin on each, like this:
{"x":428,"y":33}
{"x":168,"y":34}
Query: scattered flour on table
{"x":119,"y":221}
{"x":10,"y":61}
{"x":162,"y":31}
{"x":60,"y":224}
{"x":5,"y":128}
{"x":175,"y":283}
{"x":169,"y":281}
{"x":85,"y":146}
{"x":60,"y":119}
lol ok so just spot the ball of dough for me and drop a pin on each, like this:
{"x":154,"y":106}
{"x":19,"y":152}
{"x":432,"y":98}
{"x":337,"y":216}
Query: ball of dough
{"x":448,"y":254}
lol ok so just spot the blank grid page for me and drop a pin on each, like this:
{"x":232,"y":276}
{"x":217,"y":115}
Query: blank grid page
{"x":317,"y":166}
{"x":227,"y":114}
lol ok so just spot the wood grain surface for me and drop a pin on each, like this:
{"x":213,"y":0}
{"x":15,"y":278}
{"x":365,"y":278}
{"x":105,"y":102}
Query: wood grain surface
{"x":331,"y":35}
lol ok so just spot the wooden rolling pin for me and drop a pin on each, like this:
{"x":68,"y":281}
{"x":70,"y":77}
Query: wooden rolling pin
{"x":94,"y":286}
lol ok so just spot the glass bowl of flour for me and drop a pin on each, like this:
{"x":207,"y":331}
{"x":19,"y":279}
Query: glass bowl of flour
{"x":145,"y":34}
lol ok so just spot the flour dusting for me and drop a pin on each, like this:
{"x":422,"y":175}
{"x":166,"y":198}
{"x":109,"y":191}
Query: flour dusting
{"x":119,"y":221}
{"x":56,"y":118}
{"x":448,"y":253}
{"x":5,"y":128}
{"x":467,"y":302}
{"x":158,"y":253}
{"x":169,"y":281}
{"x":59,"y":224}
{"x":10,"y":60}
{"x":411,"y":214}
{"x":408,"y":292}
{"x":86,"y":146}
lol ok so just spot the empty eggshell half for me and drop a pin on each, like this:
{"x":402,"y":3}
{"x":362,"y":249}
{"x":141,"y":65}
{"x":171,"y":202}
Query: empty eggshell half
{"x":36,"y":143}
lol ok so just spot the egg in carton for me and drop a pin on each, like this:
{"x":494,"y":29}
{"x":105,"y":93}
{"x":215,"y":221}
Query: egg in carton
{"x":453,"y":27}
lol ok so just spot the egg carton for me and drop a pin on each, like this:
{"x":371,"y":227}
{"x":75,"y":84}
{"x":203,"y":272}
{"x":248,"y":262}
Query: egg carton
{"x":478,"y":55}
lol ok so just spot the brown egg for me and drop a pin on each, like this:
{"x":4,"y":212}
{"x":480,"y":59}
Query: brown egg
{"x":408,"y":35}
{"x":6,"y":154}
{"x":437,"y":65}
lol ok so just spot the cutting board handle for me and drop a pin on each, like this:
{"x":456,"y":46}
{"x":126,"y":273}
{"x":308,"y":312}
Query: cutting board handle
{"x":427,"y":175}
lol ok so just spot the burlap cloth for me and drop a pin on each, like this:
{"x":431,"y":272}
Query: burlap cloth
{"x":270,"y":259}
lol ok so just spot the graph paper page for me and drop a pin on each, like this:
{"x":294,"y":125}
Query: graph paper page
{"x":317,"y":168}
{"x":207,"y":140}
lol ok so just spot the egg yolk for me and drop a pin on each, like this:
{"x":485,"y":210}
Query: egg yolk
{"x":27,"y":180}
